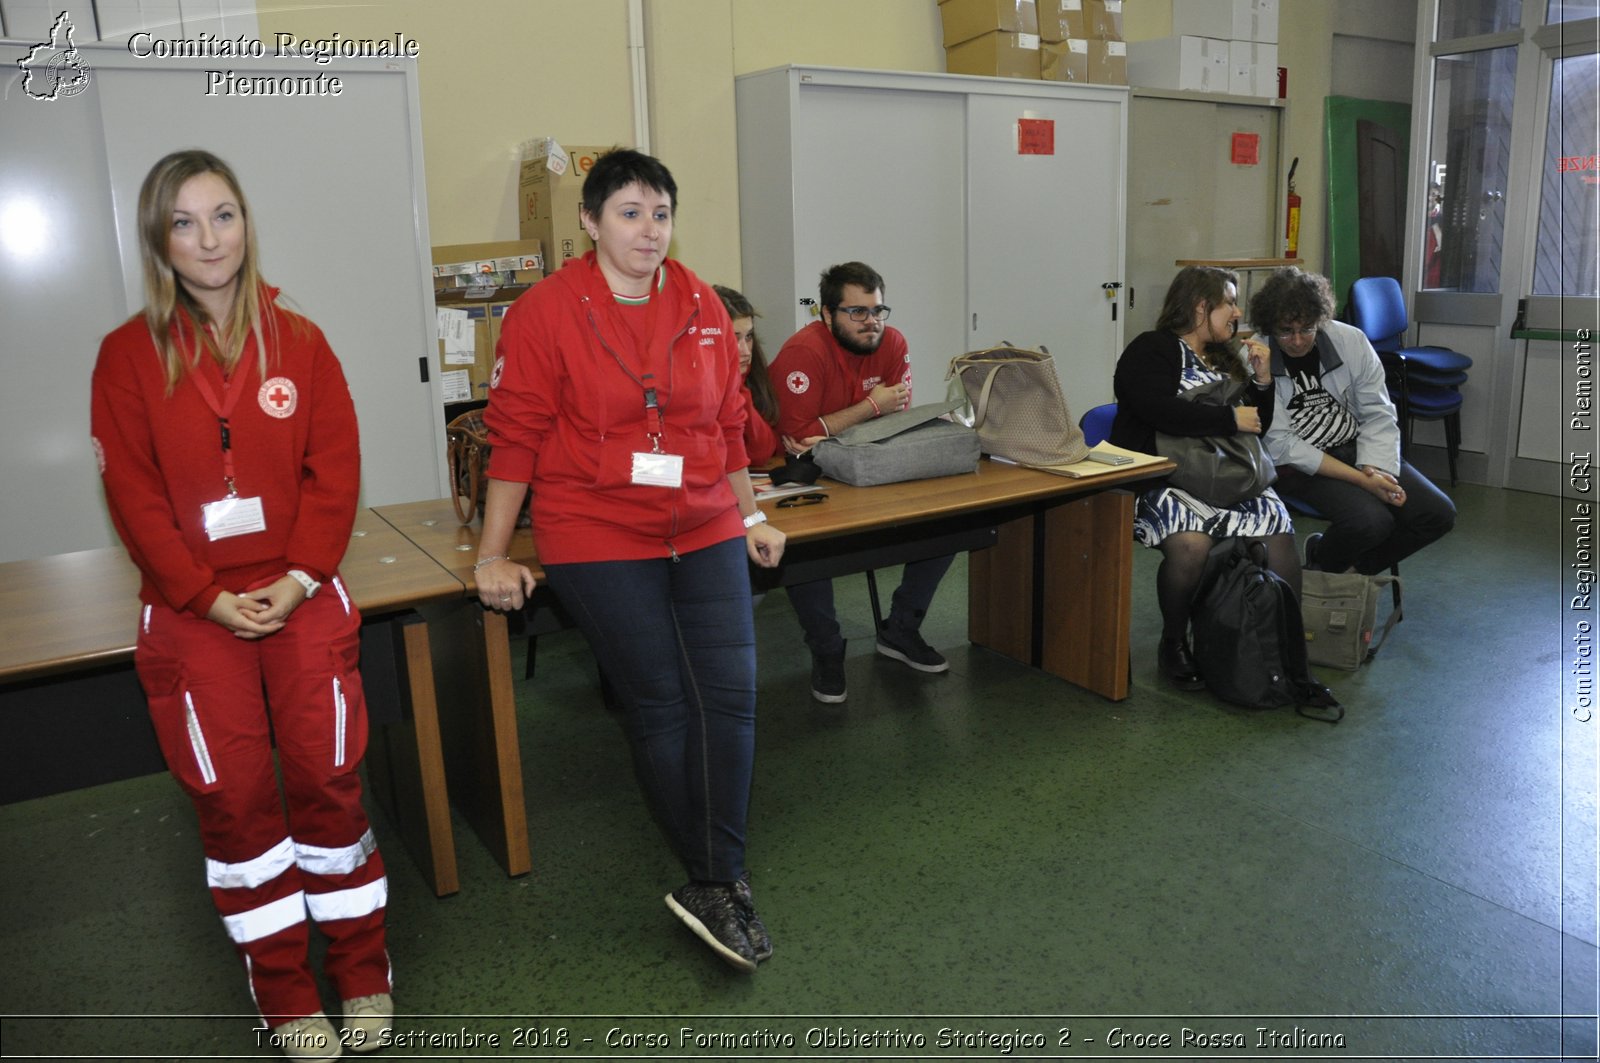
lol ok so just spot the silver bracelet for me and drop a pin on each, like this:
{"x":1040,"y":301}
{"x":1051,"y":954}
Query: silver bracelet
{"x":490,"y":561}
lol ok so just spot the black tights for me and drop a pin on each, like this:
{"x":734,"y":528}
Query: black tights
{"x":1183,"y":561}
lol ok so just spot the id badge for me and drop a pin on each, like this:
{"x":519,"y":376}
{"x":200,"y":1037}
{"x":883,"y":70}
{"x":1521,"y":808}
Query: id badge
{"x":234,"y":516}
{"x":657,"y":470}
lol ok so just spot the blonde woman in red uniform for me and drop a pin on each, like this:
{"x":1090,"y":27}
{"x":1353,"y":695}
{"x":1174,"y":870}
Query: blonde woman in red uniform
{"x":230,"y":457}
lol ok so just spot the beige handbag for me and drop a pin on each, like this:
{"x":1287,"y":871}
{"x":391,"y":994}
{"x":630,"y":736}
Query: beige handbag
{"x":1017,"y":406}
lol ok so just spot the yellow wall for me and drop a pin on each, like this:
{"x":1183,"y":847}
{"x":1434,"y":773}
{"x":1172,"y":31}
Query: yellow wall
{"x":494,"y":73}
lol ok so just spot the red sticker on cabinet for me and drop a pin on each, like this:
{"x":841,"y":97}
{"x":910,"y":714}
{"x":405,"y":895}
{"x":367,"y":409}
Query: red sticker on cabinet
{"x":1246,"y":149}
{"x":1036,"y":136}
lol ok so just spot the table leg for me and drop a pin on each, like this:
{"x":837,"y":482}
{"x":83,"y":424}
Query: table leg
{"x":1088,"y":592}
{"x":1056,"y":591}
{"x":472,"y":660}
{"x":405,"y":761}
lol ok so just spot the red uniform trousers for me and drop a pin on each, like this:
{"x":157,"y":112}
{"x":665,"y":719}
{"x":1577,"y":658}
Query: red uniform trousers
{"x":266,"y":870}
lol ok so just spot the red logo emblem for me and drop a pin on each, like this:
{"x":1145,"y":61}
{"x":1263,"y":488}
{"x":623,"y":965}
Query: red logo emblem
{"x":798,"y":382}
{"x":278,"y":397}
{"x":494,"y":374}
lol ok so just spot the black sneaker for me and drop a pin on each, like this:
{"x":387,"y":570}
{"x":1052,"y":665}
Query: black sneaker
{"x":1313,"y":545}
{"x":827,"y":677}
{"x":712,"y":911}
{"x":905,"y":644}
{"x":754,"y":928}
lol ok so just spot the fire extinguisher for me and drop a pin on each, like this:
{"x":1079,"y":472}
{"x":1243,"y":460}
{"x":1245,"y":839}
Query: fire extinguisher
{"x":1291,"y":224}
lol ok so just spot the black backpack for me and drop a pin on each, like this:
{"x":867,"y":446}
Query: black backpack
{"x":1249,"y":641}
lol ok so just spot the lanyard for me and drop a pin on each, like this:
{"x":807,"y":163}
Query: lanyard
{"x":645,"y":379}
{"x":223,"y":409}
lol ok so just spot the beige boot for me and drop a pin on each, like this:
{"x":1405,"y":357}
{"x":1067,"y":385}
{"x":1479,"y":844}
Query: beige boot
{"x":312,"y":1037}
{"x":368,"y":1022}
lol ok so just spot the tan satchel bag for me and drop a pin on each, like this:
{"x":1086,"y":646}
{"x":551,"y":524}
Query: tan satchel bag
{"x":1018,"y":409}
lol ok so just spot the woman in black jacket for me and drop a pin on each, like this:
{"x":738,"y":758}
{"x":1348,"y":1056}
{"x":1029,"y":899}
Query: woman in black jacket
{"x":1190,"y":346}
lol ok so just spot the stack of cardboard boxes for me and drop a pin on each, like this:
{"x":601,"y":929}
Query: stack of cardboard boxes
{"x":549,"y":191}
{"x":474,"y":284}
{"x":1053,"y":40}
{"x":1225,"y":46}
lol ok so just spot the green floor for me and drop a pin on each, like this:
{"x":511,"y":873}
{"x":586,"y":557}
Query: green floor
{"x":991,"y":850}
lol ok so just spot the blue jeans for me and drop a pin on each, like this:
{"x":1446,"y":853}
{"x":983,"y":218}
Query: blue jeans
{"x":813,"y":604}
{"x":1365,"y":531}
{"x":677,"y":641}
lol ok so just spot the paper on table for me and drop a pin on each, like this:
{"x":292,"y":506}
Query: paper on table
{"x":766,"y":491}
{"x":1089,"y":467}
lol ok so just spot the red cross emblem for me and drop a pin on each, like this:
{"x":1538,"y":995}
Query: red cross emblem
{"x":798,"y":382}
{"x":278,"y":397}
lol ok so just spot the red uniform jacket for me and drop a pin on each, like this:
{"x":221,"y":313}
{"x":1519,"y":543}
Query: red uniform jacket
{"x":567,"y":412}
{"x":295,"y":445}
{"x":814,"y":376}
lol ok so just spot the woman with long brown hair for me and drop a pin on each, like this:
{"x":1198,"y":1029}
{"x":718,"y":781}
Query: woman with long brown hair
{"x":231,"y":461}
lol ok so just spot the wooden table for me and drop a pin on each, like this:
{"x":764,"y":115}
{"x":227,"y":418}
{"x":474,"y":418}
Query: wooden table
{"x":74,"y":715}
{"x":1049,"y":584}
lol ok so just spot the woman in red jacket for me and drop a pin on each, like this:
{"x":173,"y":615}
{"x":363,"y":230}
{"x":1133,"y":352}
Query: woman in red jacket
{"x":229,"y":452}
{"x":760,"y":401}
{"x":616,"y":395}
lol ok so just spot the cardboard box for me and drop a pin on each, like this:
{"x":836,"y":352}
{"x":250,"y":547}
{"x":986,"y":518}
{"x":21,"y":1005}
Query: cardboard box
{"x":549,"y":194}
{"x":965,"y":19}
{"x":1084,"y":62}
{"x":1197,"y":63}
{"x":1252,"y":68}
{"x":484,"y":318}
{"x":1005,"y":55}
{"x":1061,"y":20}
{"x":1236,"y":20}
{"x":1108,"y":63}
{"x":494,"y":265}
{"x":1102,"y":20}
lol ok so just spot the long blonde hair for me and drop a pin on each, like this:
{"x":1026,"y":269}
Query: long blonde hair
{"x":169,"y":310}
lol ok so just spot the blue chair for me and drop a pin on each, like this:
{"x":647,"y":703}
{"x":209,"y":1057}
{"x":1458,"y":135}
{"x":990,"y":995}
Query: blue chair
{"x":1096,"y":424}
{"x":1424,"y":382}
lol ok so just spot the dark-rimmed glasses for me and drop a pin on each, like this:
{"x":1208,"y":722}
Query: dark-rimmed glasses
{"x":861,"y":313}
{"x":795,"y":501}
{"x":1289,"y":335}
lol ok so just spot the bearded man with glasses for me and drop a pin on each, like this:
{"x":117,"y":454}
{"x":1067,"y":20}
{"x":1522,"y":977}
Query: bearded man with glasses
{"x":839,"y":371}
{"x":1335,"y":437}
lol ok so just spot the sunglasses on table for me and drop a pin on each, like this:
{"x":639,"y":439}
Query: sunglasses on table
{"x":795,"y":501}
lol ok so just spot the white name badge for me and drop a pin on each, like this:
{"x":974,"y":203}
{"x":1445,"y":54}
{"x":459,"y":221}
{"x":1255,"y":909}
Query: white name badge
{"x":234,"y":516}
{"x":658,"y":470}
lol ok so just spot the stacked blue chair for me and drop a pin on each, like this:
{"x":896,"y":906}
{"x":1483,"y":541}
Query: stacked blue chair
{"x":1424,"y":382}
{"x":1096,"y":424}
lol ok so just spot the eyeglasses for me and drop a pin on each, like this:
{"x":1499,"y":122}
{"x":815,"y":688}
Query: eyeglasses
{"x":795,"y":501}
{"x":1285,"y":335}
{"x":861,"y":313}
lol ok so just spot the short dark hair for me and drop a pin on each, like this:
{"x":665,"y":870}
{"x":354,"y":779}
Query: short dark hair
{"x":834,"y":278}
{"x":1292,"y":296}
{"x":621,"y":167}
{"x":1194,"y":286}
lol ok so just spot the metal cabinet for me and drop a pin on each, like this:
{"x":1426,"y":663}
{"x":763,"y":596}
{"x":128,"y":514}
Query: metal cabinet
{"x":994,"y":209}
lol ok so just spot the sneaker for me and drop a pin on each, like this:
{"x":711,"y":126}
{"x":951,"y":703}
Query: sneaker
{"x":827,"y":677}
{"x":905,"y":644}
{"x":712,"y":912}
{"x":312,"y":1037}
{"x":369,"y":1022}
{"x":754,"y":928}
{"x":1313,"y":546}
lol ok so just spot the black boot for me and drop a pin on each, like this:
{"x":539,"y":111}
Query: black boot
{"x":1176,"y":664}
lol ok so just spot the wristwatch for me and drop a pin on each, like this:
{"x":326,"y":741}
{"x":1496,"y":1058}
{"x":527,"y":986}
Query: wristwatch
{"x":305,"y":580}
{"x":758,"y":517}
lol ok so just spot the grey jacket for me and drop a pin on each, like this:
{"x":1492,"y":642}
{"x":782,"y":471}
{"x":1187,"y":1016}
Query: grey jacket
{"x":1352,"y":374}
